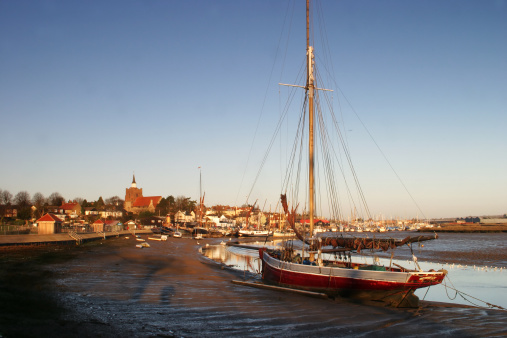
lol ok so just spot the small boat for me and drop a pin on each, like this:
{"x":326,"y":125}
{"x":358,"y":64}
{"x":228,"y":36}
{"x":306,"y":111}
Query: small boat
{"x":140,"y":240}
{"x":143,"y":245}
{"x":161,"y":238}
{"x":177,"y":234}
{"x":284,"y":234}
{"x":254,"y":233}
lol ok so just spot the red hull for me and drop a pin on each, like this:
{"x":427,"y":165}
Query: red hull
{"x":393,"y":286}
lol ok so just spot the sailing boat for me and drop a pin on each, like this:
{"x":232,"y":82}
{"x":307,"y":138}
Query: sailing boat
{"x":198,"y":231}
{"x":177,"y":233}
{"x":394,"y":285}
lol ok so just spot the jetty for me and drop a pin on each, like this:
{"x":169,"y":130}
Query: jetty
{"x":65,"y":238}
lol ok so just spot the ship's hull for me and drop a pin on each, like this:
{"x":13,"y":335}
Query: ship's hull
{"x":393,"y":287}
{"x":254,"y":233}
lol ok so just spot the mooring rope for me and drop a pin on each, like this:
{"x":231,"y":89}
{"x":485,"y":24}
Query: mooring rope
{"x":462,"y":295}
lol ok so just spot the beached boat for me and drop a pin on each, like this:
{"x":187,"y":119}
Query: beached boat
{"x":254,"y":233}
{"x":283,"y":234}
{"x":313,"y":270}
{"x":161,"y":238}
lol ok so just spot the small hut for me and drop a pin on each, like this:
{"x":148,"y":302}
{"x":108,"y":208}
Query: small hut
{"x":98,"y":226}
{"x":49,"y":224}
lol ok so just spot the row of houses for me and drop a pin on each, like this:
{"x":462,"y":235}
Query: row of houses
{"x":71,"y":209}
{"x":52,"y":223}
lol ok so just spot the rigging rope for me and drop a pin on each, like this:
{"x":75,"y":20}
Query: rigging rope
{"x":264,"y":102}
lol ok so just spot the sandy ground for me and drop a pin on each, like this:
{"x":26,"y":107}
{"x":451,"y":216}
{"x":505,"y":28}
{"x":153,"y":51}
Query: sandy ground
{"x":111,"y":288}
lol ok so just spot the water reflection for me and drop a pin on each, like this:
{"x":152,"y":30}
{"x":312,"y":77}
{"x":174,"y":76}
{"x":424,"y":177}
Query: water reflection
{"x":478,"y":284}
{"x":234,"y":257}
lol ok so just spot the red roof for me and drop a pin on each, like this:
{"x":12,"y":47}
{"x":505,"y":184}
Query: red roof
{"x":69,"y":206}
{"x":99,"y":221}
{"x":49,"y":218}
{"x":145,"y":201}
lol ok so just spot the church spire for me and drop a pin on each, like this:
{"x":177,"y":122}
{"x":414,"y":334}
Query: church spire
{"x":134,"y":185}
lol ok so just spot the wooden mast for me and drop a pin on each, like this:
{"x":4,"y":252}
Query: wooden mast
{"x":310,"y":89}
{"x":200,"y":198}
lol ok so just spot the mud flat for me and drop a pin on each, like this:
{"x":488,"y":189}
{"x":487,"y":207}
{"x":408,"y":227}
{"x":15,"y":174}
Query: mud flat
{"x":110,"y":288}
{"x":467,"y":228}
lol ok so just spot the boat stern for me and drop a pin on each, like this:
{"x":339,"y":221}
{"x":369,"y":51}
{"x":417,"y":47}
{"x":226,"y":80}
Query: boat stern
{"x":424,"y":279}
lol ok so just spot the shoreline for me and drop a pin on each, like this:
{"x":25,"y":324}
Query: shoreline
{"x":467,"y":229}
{"x":109,"y":287}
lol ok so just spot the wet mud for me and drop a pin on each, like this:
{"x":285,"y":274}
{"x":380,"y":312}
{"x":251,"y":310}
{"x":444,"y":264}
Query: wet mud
{"x":112,"y":288}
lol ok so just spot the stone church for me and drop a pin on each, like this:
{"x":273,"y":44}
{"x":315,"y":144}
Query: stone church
{"x":136,"y":203}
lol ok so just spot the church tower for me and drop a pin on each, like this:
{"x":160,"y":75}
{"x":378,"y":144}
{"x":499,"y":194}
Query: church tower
{"x":131,"y":194}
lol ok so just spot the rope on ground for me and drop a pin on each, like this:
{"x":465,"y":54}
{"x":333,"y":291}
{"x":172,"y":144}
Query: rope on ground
{"x":462,"y":295}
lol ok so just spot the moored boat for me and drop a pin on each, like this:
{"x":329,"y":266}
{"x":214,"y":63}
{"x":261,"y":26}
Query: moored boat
{"x":283,"y":234}
{"x":392,"y":285}
{"x":313,"y":270}
{"x":254,"y":233}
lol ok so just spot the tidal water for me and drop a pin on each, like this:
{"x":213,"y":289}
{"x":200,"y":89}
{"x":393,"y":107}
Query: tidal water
{"x":112,"y":288}
{"x":476,"y":264}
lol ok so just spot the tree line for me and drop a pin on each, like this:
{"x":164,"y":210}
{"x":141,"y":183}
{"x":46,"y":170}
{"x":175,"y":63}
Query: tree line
{"x":37,"y":205}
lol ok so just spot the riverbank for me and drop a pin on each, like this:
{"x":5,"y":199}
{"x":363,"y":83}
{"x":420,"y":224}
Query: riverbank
{"x":467,"y":228}
{"x":64,"y":238}
{"x":110,"y":287}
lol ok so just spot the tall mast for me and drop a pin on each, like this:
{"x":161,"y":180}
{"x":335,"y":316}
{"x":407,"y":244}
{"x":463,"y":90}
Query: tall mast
{"x":310,"y":89}
{"x":200,"y":197}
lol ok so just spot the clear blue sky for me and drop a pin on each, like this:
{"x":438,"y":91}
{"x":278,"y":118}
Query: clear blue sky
{"x":91,"y":91}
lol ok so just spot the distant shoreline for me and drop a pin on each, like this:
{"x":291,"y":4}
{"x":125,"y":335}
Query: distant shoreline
{"x":466,"y":228}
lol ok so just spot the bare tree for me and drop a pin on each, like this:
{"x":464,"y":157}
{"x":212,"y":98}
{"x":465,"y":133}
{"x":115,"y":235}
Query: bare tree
{"x":5,"y":197}
{"x":23,"y":202}
{"x":22,"y":199}
{"x":56,"y":199}
{"x":79,"y":200}
{"x":38,"y":201}
{"x":115,"y":202}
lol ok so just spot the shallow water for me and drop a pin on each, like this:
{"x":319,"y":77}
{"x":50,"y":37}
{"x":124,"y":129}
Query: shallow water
{"x":476,"y":265}
{"x":112,"y":288}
